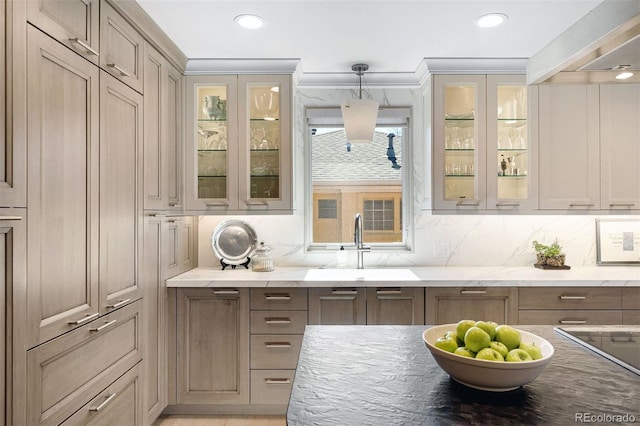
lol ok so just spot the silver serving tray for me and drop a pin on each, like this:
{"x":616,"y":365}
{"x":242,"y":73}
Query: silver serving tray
{"x":233,"y":242}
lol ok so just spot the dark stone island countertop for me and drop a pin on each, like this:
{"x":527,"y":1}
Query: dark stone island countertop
{"x":384,"y":375}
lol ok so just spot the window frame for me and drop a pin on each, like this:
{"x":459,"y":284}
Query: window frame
{"x":330,"y":117}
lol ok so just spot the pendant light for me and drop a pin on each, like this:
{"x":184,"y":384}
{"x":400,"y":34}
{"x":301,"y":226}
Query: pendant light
{"x":359,"y":115}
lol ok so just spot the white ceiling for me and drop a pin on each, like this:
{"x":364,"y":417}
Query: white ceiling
{"x":321,"y":39}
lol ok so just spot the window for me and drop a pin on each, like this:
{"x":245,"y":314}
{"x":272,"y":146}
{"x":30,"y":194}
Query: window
{"x":366,"y":178}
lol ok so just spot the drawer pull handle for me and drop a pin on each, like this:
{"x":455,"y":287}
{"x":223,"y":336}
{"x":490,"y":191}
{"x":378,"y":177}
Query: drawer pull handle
{"x":473,"y":291}
{"x":103,"y":326}
{"x":220,"y":204}
{"x":120,"y":303}
{"x":271,"y":297}
{"x":174,"y":220}
{"x":90,"y":50}
{"x":10,"y":217}
{"x":581,"y":205}
{"x":573,"y":321}
{"x":175,"y":205}
{"x":278,"y":320}
{"x":507,"y":204}
{"x":277,"y":344}
{"x":275,"y":381}
{"x":119,"y":69}
{"x":89,"y":317}
{"x":471,"y":203}
{"x":573,"y":297}
{"x":388,"y":292}
{"x":225,"y":292}
{"x":622,"y":205}
{"x":104,"y":403}
{"x":344,"y":292}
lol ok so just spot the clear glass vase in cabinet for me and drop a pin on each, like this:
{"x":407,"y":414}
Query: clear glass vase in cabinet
{"x":511,"y":142}
{"x":459,"y":118}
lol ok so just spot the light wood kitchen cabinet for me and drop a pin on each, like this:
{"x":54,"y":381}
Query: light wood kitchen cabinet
{"x":570,"y":305}
{"x":74,"y":23}
{"x":213,"y":346}
{"x":238,"y":146}
{"x":13,"y":282}
{"x":121,"y":48}
{"x":121,"y":228}
{"x":445,"y":305}
{"x":63,"y":144}
{"x":631,"y":305}
{"x":619,"y":147}
{"x":569,"y":127}
{"x":179,"y":244}
{"x":67,"y":372}
{"x":118,"y":404}
{"x":162,"y":135}
{"x":338,"y":306}
{"x":395,"y":306}
{"x":484,"y":145}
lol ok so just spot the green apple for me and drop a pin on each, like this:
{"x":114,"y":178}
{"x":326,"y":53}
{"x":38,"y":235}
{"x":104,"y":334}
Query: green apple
{"x":531,"y":349}
{"x":500,"y":347}
{"x":462,"y":351}
{"x":455,"y":336}
{"x":518,"y":355}
{"x":489,"y":354}
{"x":508,"y":335}
{"x":489,"y":327}
{"x":476,"y":338}
{"x":462,"y":328}
{"x":446,"y":343}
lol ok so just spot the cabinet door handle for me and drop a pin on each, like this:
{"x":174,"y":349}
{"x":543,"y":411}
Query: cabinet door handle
{"x":388,"y":291}
{"x":175,"y":205}
{"x":174,"y":220}
{"x":277,"y":344}
{"x":507,"y":204}
{"x":220,"y":204}
{"x":470,"y":203}
{"x":120,"y":303}
{"x":90,"y":50}
{"x":225,"y":292}
{"x":573,"y":321}
{"x":277,"y":381}
{"x":572,"y":297}
{"x":473,"y":291}
{"x":103,"y":326}
{"x":10,"y":217}
{"x":104,"y":403}
{"x":88,"y":317}
{"x":119,"y":69}
{"x":581,"y":205}
{"x":260,"y":203}
{"x":271,"y":297}
{"x":622,"y":205}
{"x":283,"y":320}
{"x":344,"y":292}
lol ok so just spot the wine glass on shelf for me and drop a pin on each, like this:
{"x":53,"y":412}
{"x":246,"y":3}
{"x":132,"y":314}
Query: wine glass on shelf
{"x":266,"y":104}
{"x":520,"y":142}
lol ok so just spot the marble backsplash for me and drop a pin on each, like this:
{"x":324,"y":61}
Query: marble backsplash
{"x":484,"y":240}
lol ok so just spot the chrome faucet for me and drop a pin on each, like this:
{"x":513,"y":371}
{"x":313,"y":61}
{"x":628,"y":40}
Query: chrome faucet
{"x":357,"y":239}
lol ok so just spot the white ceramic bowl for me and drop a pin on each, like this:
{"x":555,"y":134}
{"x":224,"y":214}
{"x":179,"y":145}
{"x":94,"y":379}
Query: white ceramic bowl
{"x":488,"y":375}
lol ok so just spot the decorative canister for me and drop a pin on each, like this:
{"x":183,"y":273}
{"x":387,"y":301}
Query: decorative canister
{"x":262,"y":261}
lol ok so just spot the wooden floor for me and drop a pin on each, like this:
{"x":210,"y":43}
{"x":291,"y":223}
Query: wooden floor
{"x":184,"y":420}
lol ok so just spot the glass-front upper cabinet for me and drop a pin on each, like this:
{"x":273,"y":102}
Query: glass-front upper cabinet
{"x":239,"y":144}
{"x":511,"y":142}
{"x":459,"y":141}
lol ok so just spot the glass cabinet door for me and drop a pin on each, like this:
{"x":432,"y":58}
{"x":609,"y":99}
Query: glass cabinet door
{"x":459,"y":138}
{"x":509,"y":159}
{"x":264,"y":121}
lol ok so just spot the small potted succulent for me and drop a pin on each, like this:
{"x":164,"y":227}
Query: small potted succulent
{"x":549,"y":255}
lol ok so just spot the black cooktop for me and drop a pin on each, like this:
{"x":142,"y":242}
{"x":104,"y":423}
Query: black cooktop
{"x":619,"y":343}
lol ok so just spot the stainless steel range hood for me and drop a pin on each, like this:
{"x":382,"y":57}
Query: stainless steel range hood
{"x":589,"y":51}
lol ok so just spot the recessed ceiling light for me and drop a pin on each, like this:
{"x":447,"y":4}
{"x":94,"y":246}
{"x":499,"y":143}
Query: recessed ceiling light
{"x":491,"y":20}
{"x":249,"y":21}
{"x":624,"y":75}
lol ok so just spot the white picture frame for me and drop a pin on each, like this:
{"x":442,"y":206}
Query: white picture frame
{"x":618,"y":241}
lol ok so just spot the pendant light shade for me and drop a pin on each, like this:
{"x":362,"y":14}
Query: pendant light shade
{"x":359,"y":115}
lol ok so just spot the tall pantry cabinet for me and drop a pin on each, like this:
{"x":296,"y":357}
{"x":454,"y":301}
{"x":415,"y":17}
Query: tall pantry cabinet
{"x":72,"y":156}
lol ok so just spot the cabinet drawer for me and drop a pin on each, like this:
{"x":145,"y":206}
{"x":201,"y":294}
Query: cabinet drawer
{"x":279,"y":299}
{"x":573,"y":317}
{"x":66,"y":373}
{"x":121,"y":48}
{"x":631,"y":316}
{"x":278,"y":322}
{"x":631,"y":298}
{"x":271,"y":386}
{"x":569,"y":298}
{"x":118,"y":404}
{"x":275,"y":351}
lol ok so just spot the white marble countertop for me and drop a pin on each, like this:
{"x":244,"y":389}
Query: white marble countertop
{"x":427,"y":276}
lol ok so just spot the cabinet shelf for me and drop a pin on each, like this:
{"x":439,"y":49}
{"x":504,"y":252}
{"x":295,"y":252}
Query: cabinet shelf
{"x":512,"y":177}
{"x":261,"y":120}
{"x":213,"y":150}
{"x":212,"y":176}
{"x":265,"y":150}
{"x":464,"y":150}
{"x":265,"y":176}
{"x":459,"y":176}
{"x":212,"y":120}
